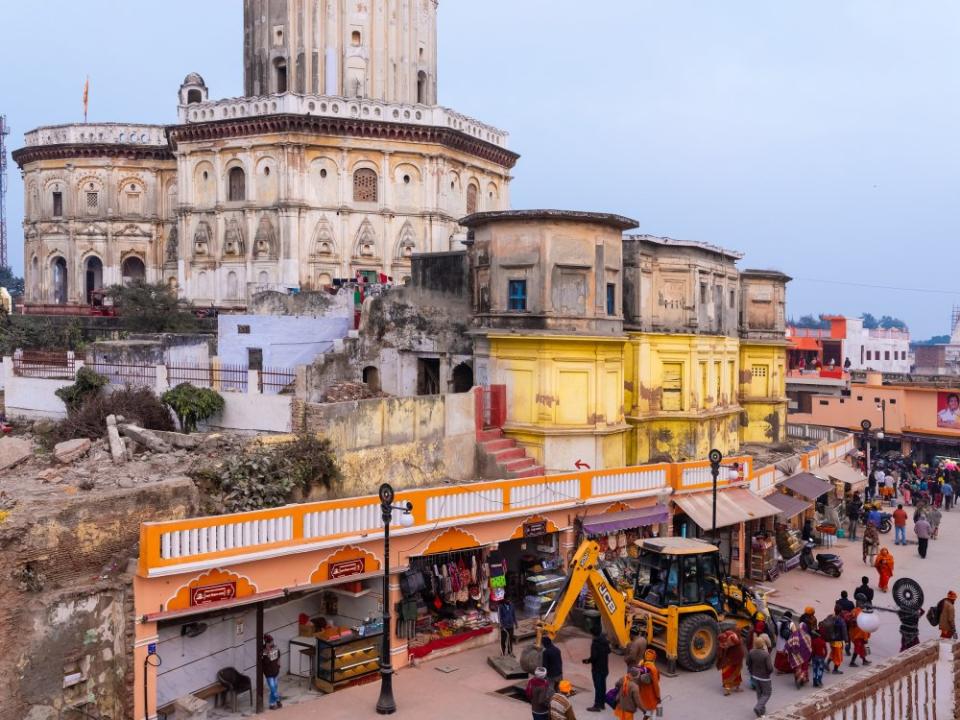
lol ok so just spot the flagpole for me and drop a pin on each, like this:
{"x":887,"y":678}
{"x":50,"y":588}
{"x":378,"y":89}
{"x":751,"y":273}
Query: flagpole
{"x":86,"y":99}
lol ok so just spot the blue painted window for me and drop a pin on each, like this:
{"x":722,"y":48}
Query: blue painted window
{"x":611,"y":299}
{"x":518,"y":295}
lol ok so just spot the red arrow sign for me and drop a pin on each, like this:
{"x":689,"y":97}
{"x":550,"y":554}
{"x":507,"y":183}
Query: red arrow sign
{"x":580,"y":465}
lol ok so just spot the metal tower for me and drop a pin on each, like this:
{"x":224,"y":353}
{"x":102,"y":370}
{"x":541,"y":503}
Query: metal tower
{"x":4,"y":131}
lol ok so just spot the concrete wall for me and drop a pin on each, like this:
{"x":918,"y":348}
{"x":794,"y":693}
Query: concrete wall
{"x":409,"y":442}
{"x":32,"y":398}
{"x":153,"y":349}
{"x":252,"y":412}
{"x":286,"y":341}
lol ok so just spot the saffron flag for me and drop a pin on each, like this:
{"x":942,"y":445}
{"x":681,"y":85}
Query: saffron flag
{"x":86,"y":97}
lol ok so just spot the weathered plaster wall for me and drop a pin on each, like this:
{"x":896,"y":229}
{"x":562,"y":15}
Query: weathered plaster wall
{"x":66,"y":602}
{"x":409,"y":442}
{"x":32,"y":398}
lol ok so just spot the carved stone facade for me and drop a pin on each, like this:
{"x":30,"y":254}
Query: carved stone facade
{"x":281,"y":189}
{"x":98,"y":209}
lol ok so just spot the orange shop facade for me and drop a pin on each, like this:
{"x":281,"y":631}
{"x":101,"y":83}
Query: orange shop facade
{"x":310,"y":575}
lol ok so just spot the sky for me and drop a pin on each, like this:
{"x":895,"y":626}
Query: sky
{"x":818,"y":137}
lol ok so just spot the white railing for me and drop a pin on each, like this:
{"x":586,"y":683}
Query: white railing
{"x":225,"y":536}
{"x":97,"y":133}
{"x":341,"y":107}
{"x":548,"y":492}
{"x":343,"y":520}
{"x":627,"y":482}
{"x":454,"y":505}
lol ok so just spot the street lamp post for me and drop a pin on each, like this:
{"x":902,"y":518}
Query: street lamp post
{"x":715,"y":458}
{"x":866,"y":425}
{"x":386,"y":705}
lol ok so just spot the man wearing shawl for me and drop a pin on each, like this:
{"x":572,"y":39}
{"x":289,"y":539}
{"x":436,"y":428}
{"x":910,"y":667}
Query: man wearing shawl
{"x":730,"y":661}
{"x":799,"y":650}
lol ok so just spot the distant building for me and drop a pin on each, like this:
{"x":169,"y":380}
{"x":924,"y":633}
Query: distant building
{"x":880,"y":350}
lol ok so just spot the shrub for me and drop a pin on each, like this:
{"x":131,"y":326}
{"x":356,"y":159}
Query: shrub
{"x":192,"y":405}
{"x":151,"y":308}
{"x":137,"y":405}
{"x":88,"y":384}
{"x":268,"y":477}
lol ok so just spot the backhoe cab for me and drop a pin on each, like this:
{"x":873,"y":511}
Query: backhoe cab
{"x":682,"y":599}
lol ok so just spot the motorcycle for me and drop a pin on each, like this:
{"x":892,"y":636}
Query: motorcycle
{"x":827,"y":563}
{"x":886,"y":520}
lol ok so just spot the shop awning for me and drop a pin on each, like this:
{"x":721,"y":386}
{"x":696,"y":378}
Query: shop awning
{"x":807,"y":485}
{"x":844,"y":473}
{"x":734,"y":506}
{"x":789,"y":505}
{"x":625,"y":520}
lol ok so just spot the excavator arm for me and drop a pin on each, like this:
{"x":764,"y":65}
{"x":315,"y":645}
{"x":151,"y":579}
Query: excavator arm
{"x":585,"y":570}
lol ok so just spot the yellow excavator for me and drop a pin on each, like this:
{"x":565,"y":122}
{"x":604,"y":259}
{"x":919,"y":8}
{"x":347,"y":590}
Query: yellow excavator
{"x":680,"y":601}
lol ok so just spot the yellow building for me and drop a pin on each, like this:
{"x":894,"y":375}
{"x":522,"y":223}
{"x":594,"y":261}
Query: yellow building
{"x":763,"y":357}
{"x":547,"y":291}
{"x":623,"y":350}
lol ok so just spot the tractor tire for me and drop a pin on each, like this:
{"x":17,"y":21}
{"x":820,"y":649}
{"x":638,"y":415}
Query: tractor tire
{"x":531,"y":658}
{"x":697,"y":642}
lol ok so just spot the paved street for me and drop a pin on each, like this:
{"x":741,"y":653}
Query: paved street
{"x":469,"y":692}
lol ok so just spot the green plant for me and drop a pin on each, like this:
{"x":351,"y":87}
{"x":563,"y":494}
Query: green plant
{"x":137,"y":405}
{"x":192,"y":405}
{"x":88,"y":384}
{"x":268,"y":477}
{"x":151,"y":308}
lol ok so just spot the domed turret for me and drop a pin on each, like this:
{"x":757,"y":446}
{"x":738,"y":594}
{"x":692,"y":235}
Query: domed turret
{"x":193,"y":90}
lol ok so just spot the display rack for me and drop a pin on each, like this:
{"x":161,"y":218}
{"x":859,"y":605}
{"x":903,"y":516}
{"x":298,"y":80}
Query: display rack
{"x":343,"y":663}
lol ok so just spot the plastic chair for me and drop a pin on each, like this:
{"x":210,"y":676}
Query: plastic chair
{"x":236,"y":683}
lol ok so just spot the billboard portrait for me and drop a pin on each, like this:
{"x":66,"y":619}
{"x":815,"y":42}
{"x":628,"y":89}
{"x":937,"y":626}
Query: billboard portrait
{"x":948,"y":410}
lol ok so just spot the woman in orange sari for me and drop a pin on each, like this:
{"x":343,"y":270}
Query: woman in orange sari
{"x":884,"y":566}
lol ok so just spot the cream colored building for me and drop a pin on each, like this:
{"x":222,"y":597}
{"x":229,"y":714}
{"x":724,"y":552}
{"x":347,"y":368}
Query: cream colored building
{"x":337,"y":162}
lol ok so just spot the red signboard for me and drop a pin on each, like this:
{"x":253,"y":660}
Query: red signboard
{"x":346,"y":568}
{"x":213,"y":593}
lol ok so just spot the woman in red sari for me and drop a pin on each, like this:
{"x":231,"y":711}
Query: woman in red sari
{"x":799,"y":651}
{"x":730,"y":661}
{"x":884,"y":566}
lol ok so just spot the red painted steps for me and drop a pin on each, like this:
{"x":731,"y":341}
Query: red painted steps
{"x":511,"y":460}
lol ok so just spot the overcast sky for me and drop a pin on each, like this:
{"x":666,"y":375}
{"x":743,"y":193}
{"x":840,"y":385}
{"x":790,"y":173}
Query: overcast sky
{"x":820,"y":137}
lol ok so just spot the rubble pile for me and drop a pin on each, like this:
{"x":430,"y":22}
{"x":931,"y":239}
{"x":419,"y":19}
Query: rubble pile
{"x":126,"y":456}
{"x":345,"y":391}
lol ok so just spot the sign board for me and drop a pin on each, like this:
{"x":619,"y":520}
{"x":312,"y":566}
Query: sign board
{"x":346,"y":568}
{"x":213,"y":593}
{"x":535,"y":529}
{"x":948,"y":410}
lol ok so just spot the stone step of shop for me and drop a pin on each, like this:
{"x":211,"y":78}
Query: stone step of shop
{"x":491,"y":446}
{"x":492,"y":434}
{"x":519,"y":464}
{"x":502,"y":456}
{"x":535,"y":471}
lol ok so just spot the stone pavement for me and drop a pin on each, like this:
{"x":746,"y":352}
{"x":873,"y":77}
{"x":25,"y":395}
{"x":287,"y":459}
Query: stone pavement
{"x":469,"y":692}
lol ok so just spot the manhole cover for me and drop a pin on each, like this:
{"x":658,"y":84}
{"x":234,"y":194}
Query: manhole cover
{"x":447,"y":668}
{"x":514,"y":692}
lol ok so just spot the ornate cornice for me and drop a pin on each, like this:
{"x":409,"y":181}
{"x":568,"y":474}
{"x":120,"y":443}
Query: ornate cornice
{"x":340,"y":127}
{"x":71,"y":151}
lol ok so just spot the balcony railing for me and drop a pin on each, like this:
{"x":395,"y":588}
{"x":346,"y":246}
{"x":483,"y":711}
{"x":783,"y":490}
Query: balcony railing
{"x":172,"y":547}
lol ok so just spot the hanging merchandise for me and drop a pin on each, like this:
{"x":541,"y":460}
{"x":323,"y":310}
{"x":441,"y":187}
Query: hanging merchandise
{"x":451,"y":606}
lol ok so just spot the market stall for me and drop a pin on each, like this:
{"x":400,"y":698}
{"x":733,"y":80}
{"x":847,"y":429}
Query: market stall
{"x":446,"y":600}
{"x":735,"y":507}
{"x":617,"y":533}
{"x":533,"y":569}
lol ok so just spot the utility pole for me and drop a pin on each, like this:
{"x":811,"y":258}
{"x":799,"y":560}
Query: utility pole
{"x":4,"y":131}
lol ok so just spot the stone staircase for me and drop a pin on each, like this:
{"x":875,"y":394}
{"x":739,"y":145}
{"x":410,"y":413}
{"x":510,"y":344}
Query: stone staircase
{"x":503,"y":458}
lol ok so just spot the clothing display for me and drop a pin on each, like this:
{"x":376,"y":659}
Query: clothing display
{"x":446,"y":600}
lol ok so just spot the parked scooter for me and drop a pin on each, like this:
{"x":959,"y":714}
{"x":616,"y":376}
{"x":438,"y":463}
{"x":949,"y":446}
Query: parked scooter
{"x":828,"y":563}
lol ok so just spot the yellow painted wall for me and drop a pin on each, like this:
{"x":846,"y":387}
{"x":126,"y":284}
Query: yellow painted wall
{"x":763,"y":392}
{"x":681,"y":395}
{"x":564,"y":397}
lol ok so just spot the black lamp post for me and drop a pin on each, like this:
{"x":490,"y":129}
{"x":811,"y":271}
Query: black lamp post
{"x":386,"y":705}
{"x":715,"y":458}
{"x":866,"y":425}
